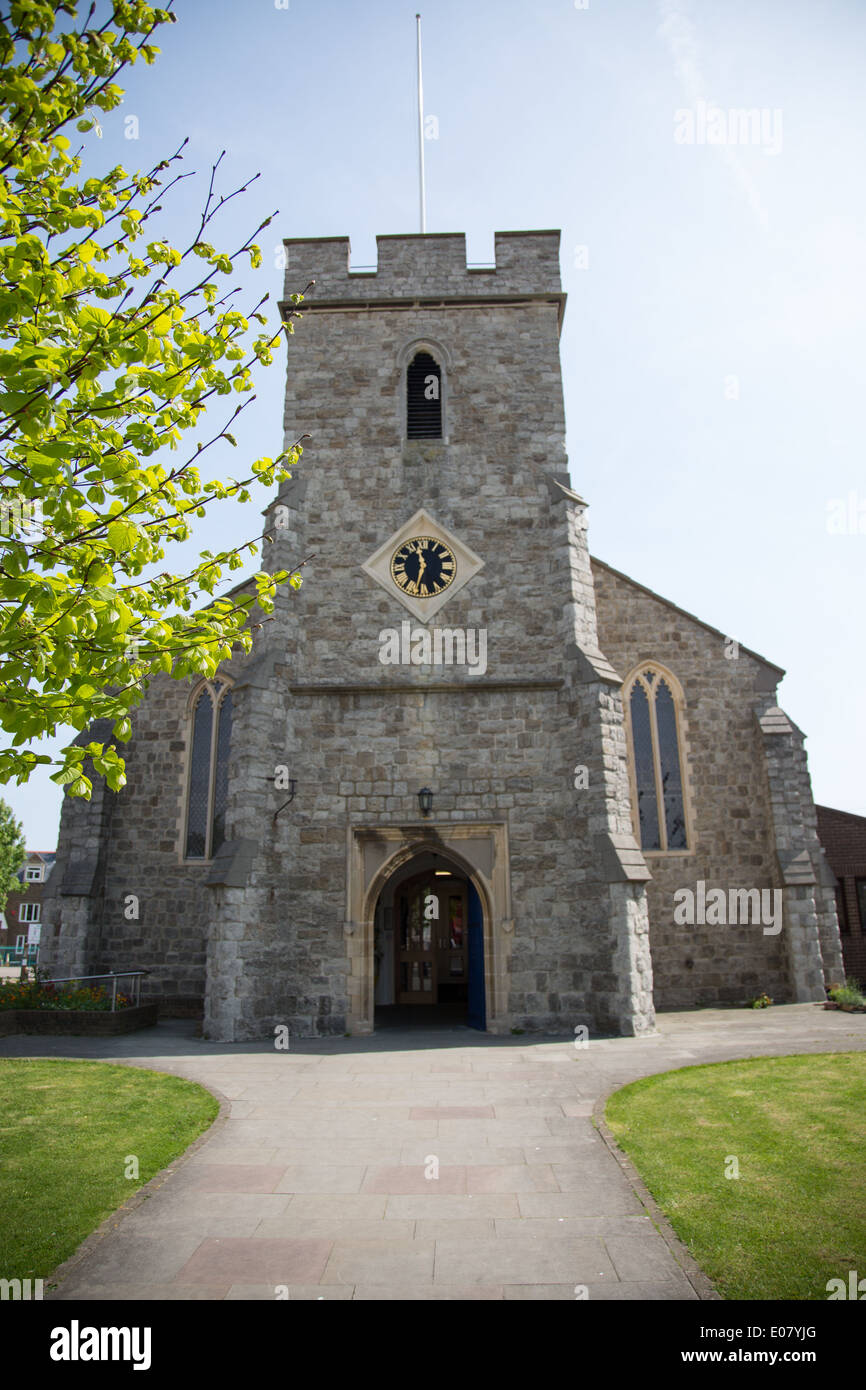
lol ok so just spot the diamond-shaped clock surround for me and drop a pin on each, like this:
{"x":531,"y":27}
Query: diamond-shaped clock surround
{"x":378,"y":566}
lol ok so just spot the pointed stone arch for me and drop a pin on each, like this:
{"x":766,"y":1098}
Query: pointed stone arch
{"x":376,"y":853}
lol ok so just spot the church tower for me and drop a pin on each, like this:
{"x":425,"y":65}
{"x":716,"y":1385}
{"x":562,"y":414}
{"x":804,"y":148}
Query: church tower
{"x":419,"y":797}
{"x":457,"y":833}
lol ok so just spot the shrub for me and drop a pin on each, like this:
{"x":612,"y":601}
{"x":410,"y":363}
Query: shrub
{"x":847,"y":994}
{"x":761,"y":1001}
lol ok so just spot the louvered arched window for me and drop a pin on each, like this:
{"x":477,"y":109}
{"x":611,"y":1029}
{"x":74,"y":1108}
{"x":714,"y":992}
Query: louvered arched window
{"x":654,"y":702}
{"x":207,"y":788}
{"x":423,"y":398}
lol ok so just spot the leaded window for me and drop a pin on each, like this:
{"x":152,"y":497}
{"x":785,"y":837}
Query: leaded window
{"x":654,"y":734}
{"x":207,"y":792}
{"x":423,"y":398}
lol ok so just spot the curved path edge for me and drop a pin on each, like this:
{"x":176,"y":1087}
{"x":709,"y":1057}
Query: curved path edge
{"x":702,"y":1285}
{"x":54,"y":1281}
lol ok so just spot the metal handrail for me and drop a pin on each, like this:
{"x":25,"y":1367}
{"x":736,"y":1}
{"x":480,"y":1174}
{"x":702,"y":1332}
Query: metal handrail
{"x":109,"y":974}
{"x":113,"y":975}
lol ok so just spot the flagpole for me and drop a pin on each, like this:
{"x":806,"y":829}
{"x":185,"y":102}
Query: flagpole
{"x":423,"y":200}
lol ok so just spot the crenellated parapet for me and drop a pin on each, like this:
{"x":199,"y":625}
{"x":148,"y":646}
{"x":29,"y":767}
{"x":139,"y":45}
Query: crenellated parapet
{"x":428,"y":266}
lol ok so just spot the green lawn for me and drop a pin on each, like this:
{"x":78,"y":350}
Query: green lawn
{"x":67,"y":1130}
{"x":796,"y":1216}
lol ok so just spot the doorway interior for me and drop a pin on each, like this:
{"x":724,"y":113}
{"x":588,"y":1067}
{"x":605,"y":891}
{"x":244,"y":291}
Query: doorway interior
{"x":429,"y":947}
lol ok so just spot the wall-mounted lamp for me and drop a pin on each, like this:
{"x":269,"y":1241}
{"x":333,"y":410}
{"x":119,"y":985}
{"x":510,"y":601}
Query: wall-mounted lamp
{"x":425,"y":801}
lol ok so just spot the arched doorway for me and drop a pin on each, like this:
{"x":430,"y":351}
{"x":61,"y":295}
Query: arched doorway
{"x":428,"y":946}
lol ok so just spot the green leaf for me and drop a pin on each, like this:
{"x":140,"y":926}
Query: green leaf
{"x":105,"y":366}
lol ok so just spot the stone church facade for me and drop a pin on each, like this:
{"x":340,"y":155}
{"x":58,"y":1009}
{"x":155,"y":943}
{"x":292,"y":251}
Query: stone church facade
{"x":466,"y":767}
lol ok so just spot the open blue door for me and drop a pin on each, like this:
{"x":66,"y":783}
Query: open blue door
{"x":477,"y":1013}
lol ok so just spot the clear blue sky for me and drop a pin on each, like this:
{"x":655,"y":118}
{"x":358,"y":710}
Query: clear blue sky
{"x":713,"y":343}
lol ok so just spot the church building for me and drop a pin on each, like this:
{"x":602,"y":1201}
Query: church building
{"x":467,"y":773}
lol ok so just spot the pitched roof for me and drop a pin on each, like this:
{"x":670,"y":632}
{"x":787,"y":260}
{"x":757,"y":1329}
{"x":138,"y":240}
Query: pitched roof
{"x":684,"y":611}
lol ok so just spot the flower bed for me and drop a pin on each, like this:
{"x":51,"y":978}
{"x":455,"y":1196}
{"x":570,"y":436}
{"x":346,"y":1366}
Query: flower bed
{"x":37,"y":1006}
{"x":39,"y":994}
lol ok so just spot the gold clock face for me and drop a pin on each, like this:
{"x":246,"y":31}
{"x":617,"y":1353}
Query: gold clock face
{"x":423,"y":566}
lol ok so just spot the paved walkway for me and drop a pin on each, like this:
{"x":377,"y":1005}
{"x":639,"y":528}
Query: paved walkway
{"x":319,"y":1174}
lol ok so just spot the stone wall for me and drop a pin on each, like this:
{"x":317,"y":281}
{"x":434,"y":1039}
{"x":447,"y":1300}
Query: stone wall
{"x":73,"y":896}
{"x":361,"y":738}
{"x":812,"y":929}
{"x":431,"y":265}
{"x":121,"y":897}
{"x":78,"y":1022}
{"x":732,"y":842}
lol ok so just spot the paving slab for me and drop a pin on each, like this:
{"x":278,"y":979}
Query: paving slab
{"x":134,"y":1259}
{"x":291,"y":1293}
{"x":406,"y":1178}
{"x":257,"y":1260}
{"x":527,"y":1261}
{"x":466,"y":1229}
{"x":657,"y":1291}
{"x":239,"y":1177}
{"x":444,"y":1207}
{"x":320,"y":1178}
{"x":403,"y":1293}
{"x":347,"y":1206}
{"x":340,"y":1228}
{"x":311,"y":1183}
{"x":639,"y":1258}
{"x":461,"y":1153}
{"x":613,"y":1195}
{"x":145,"y":1293}
{"x":372,"y":1262}
{"x":554,"y":1227}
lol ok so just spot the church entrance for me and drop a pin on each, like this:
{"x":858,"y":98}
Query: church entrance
{"x":429,"y":947}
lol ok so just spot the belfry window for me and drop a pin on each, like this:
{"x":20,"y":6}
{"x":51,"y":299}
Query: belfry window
{"x":423,"y":398}
{"x":652,"y":700}
{"x":207,"y":793}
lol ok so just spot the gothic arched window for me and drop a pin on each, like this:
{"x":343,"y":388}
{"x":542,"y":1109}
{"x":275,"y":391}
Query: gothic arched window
{"x":654,"y":700}
{"x":207,"y":789}
{"x":423,"y":398}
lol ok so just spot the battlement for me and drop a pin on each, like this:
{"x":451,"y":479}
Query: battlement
{"x":424,"y":266}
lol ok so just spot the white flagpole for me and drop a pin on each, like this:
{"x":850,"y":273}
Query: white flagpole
{"x":421,"y":132}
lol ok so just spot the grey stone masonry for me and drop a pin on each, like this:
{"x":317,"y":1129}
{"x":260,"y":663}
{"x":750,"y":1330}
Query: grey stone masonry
{"x":751,"y":819}
{"x":75,"y":894}
{"x":432,"y":265}
{"x":498,"y":748}
{"x":811,"y":923}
